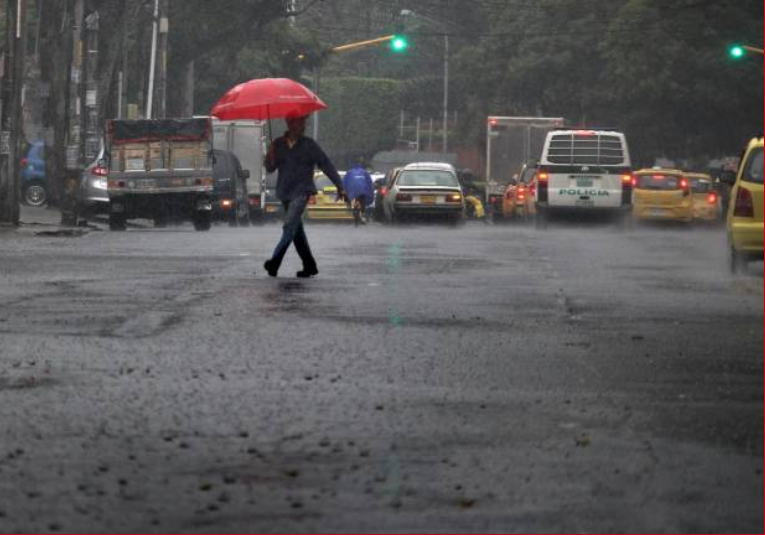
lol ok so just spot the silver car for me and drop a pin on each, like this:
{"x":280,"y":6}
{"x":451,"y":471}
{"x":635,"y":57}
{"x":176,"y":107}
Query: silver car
{"x":425,"y":191}
{"x":92,"y":196}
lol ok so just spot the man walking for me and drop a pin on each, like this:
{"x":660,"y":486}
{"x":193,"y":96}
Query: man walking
{"x":296,"y":156}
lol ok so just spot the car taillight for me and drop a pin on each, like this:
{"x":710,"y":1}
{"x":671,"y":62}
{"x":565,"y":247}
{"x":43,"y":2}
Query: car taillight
{"x":254,"y":201}
{"x":543,"y":177}
{"x":454,"y":197}
{"x":744,"y":204}
{"x":383,"y":191}
{"x":684,"y":186}
{"x":521,"y":194}
{"x":99,"y":171}
{"x":312,"y":200}
{"x":403,"y":197}
{"x":712,"y":198}
{"x":23,"y":163}
{"x":627,"y":180}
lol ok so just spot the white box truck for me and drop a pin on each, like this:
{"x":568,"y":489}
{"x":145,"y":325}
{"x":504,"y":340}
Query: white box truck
{"x":246,"y":140}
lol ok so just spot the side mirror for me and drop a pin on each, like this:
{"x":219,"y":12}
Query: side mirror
{"x":246,"y":174}
{"x":728,"y":177}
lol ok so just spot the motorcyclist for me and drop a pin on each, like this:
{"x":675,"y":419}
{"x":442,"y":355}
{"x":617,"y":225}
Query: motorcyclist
{"x":358,"y":186}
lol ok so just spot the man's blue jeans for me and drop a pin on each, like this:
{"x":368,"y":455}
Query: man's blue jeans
{"x":293,"y":231}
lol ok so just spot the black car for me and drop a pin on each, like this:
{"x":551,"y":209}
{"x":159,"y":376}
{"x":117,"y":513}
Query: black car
{"x":230,"y":201}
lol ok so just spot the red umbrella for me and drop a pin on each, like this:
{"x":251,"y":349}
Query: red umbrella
{"x":267,"y":98}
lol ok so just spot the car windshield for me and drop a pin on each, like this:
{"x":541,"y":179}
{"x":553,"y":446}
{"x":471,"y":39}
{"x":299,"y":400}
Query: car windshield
{"x":700,"y":185}
{"x":754,"y":170}
{"x":428,"y":178}
{"x":658,"y":182}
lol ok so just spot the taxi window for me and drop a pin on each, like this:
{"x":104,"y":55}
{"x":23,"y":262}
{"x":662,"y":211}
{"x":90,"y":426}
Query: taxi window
{"x":700,"y":186}
{"x":323,"y":182}
{"x":753,"y":171}
{"x":658,"y":182}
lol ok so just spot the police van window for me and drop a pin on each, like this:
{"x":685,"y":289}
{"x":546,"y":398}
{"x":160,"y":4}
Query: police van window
{"x":754,"y":170}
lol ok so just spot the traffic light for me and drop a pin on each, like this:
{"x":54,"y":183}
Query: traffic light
{"x":399,"y":43}
{"x":736,"y":52}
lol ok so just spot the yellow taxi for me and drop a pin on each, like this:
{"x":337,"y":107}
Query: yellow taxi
{"x":745,"y":214}
{"x":706,"y":202}
{"x":325,"y":205}
{"x":662,"y":195}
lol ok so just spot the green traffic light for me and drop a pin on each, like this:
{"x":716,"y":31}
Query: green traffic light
{"x":737,"y":52}
{"x":399,"y":43}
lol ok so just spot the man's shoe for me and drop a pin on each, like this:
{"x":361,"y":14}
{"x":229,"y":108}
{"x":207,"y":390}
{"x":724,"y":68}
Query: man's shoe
{"x":270,"y":268}
{"x":307,"y":273}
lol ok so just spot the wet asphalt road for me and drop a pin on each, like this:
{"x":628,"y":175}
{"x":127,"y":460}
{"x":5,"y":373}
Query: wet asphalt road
{"x":478,"y":379}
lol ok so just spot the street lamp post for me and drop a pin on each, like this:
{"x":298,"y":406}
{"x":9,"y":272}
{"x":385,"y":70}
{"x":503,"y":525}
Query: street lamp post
{"x":445,"y":133}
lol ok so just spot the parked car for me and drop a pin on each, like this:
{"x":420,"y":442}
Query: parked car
{"x":325,"y":205}
{"x":92,"y":198}
{"x":515,"y":202}
{"x":706,"y":201}
{"x":425,"y":190}
{"x":33,"y":190}
{"x":230,"y":198}
{"x":382,"y":186}
{"x":745,"y":215}
{"x":662,"y":195}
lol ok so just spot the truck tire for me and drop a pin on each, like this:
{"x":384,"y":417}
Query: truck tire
{"x":117,"y":222}
{"x":202,"y":221}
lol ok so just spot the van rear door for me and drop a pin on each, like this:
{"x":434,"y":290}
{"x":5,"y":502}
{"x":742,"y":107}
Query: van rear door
{"x":586,"y":169}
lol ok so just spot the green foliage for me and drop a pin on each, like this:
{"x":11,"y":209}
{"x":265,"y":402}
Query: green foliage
{"x":362,"y":117}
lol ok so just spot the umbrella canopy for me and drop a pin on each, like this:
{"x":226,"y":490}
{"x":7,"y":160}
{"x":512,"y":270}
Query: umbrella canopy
{"x":267,"y":98}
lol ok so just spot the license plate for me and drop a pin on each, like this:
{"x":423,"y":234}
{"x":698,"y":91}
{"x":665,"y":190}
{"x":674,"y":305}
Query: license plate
{"x":584,"y":183}
{"x":428,"y":199}
{"x":135,"y":164}
{"x":657,"y":212}
{"x":585,"y":203}
{"x":145,"y":184}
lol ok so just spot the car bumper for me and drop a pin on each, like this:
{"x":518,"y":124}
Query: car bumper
{"x":429,"y":209}
{"x":663,"y":213}
{"x":746,"y":237}
{"x":706,"y":214}
{"x":340,"y":214}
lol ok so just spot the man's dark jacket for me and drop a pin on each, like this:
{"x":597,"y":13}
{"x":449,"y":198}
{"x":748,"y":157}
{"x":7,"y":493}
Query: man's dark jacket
{"x":296,"y":167}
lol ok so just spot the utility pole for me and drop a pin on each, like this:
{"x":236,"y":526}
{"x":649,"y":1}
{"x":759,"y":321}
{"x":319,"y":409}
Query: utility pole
{"x":446,"y":93}
{"x":164,"y":27}
{"x":152,"y":61}
{"x":10,"y":122}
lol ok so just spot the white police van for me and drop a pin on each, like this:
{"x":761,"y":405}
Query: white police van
{"x":586,"y":170}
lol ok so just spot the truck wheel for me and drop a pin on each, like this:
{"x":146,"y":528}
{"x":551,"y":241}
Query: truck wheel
{"x":117,"y":222}
{"x":738,"y":262}
{"x":202,"y":221}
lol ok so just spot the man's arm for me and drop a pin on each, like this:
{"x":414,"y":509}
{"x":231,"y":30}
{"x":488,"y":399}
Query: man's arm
{"x":270,"y":160}
{"x":324,"y":163}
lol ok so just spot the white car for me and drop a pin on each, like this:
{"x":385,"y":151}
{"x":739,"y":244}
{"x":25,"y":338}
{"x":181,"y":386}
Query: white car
{"x":587,"y":170}
{"x":426,"y":191}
